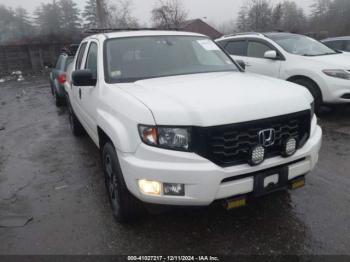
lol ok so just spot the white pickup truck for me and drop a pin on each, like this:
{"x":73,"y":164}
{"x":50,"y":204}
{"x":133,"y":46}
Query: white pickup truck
{"x":178,"y":122}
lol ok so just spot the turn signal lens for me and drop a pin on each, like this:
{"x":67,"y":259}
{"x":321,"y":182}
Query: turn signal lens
{"x":148,"y":135}
{"x":150,"y":187}
{"x":174,"y":138}
{"x":338,"y":73}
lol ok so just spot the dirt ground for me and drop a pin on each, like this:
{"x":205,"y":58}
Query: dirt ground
{"x":51,"y":185}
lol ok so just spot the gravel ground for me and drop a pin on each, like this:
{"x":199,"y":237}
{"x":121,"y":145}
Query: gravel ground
{"x":51,"y":185}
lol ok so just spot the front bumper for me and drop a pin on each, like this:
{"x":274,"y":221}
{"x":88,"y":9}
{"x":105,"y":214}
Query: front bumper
{"x":337,"y":91}
{"x":203,"y":179}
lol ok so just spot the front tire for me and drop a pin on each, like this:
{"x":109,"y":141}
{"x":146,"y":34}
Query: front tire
{"x":125,"y":206}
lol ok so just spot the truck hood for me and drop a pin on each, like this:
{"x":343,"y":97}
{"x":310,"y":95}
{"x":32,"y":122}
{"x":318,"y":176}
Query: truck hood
{"x":337,"y":61}
{"x":218,"y":98}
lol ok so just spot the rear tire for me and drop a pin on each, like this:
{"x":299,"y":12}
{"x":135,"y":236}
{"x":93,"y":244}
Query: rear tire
{"x":314,"y":90}
{"x":74,"y":123}
{"x":58,"y":100}
{"x":125,"y":206}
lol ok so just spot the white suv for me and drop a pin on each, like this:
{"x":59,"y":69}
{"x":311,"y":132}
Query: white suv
{"x":296,"y":58}
{"x":179,"y":123}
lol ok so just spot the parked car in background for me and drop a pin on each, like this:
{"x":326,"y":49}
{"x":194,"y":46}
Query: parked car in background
{"x":58,"y":74}
{"x":338,"y":43}
{"x":295,"y":58}
{"x":178,"y":122}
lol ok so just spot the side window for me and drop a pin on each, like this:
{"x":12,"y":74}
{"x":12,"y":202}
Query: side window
{"x":59,"y":62}
{"x":238,"y":48}
{"x":91,"y":59}
{"x":257,"y":49}
{"x":68,"y":61}
{"x":336,"y":45}
{"x":80,"y":56}
{"x":347,"y":46}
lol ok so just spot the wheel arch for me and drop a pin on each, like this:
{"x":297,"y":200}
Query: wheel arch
{"x":119,"y":133}
{"x":103,"y":138}
{"x":295,"y":77}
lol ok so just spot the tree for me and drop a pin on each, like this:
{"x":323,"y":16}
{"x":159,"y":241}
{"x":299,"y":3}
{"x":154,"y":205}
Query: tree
{"x":320,"y":7}
{"x":90,"y":15}
{"x":120,"y":15}
{"x":168,"y":14}
{"x":48,"y":21}
{"x":7,"y":28}
{"x":70,"y":21}
{"x":259,"y":15}
{"x":242,"y":20}
{"x":293,"y":18}
{"x":277,"y":14}
{"x":23,"y":25}
{"x":338,"y":14}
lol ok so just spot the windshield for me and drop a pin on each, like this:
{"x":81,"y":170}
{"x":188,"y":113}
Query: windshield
{"x":302,"y":45}
{"x":135,"y":58}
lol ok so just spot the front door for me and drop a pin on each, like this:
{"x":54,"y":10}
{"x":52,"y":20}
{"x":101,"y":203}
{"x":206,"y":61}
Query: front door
{"x":257,"y":63}
{"x":89,"y":93}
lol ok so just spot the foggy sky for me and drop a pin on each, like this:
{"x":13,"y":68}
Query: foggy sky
{"x":215,"y":11}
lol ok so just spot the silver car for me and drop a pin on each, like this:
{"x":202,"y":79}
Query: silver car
{"x":338,"y":43}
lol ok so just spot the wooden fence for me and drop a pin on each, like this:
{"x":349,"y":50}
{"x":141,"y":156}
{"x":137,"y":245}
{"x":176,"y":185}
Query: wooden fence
{"x":27,"y":58}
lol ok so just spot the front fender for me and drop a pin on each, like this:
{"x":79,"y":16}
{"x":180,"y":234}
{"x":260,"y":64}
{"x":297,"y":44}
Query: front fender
{"x":311,"y":74}
{"x":123,"y":139}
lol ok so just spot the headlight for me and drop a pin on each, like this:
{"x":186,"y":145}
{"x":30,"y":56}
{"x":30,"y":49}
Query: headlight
{"x":338,"y":73}
{"x":176,"y":138}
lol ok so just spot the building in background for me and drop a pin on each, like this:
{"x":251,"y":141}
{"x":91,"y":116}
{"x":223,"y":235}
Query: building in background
{"x":199,"y":26}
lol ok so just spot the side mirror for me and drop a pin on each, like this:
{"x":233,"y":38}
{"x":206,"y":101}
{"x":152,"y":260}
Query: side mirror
{"x":241,"y":63}
{"x":271,"y":54}
{"x":83,"y":78}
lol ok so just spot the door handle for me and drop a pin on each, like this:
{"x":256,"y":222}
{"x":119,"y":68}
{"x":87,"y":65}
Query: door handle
{"x":80,"y":93}
{"x":247,"y":64}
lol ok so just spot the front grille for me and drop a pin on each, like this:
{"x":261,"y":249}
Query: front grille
{"x":229,"y":145}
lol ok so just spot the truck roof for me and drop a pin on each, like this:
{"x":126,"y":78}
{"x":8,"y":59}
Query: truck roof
{"x":123,"y":34}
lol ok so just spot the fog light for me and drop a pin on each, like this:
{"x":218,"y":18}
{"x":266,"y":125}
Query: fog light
{"x":257,"y":155}
{"x":150,"y":187}
{"x":171,"y":189}
{"x":290,"y":147}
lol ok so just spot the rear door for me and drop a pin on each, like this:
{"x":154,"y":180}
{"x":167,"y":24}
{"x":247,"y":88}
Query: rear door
{"x":76,"y":90}
{"x":257,"y":63}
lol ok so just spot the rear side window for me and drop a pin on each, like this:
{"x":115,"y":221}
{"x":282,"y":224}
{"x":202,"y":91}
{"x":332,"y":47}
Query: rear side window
{"x":59,"y":62}
{"x":91,"y":60}
{"x":257,"y":49}
{"x":80,"y":55}
{"x":336,"y":45}
{"x":238,"y":48}
{"x":68,"y":61}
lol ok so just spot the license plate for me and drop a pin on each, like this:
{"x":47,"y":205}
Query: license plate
{"x":271,"y":180}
